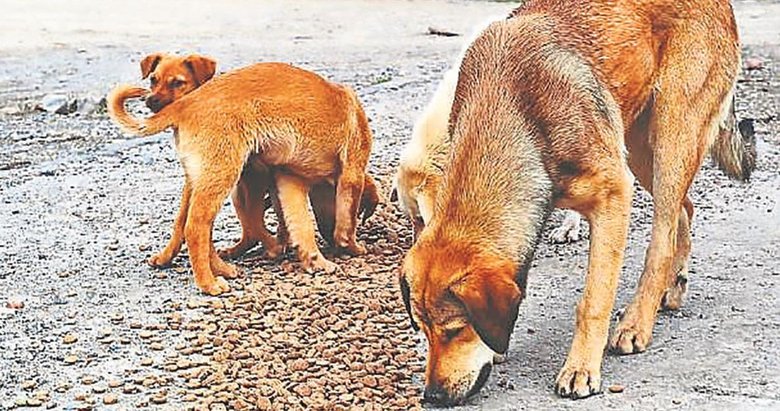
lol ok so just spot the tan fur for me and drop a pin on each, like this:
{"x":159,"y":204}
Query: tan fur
{"x":546,"y":105}
{"x":307,"y":129}
{"x":177,"y":76}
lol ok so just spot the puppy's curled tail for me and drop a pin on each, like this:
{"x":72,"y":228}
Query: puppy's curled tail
{"x":142,"y":127}
{"x":734,"y":149}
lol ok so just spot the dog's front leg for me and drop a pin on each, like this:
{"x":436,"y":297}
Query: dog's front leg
{"x":609,"y":217}
{"x":164,"y":257}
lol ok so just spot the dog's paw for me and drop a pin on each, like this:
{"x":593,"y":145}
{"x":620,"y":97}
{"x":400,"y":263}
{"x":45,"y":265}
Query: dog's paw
{"x":160,"y":260}
{"x":354,"y":249}
{"x":226,"y":270}
{"x":319,"y":263}
{"x":673,"y":298}
{"x":217,"y":287}
{"x":631,"y":335}
{"x":565,"y":234}
{"x":578,"y":381}
{"x":275,"y":251}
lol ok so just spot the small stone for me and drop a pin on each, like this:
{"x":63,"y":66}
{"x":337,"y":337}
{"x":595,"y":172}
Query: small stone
{"x":189,"y":398}
{"x":159,"y":399}
{"x":105,"y":332}
{"x":28,"y":385}
{"x":117,"y":317}
{"x":115,"y":383}
{"x":753,"y":63}
{"x":136,"y":325}
{"x":156,"y":346}
{"x":99,"y":389}
{"x":145,"y":334}
{"x":147,"y":362}
{"x":20,"y":401}
{"x":110,"y":399}
{"x":616,"y":388}
{"x":34,"y":402}
{"x":263,"y":403}
{"x":88,"y":380}
{"x":71,"y":359}
{"x":14,"y":303}
{"x":299,"y":365}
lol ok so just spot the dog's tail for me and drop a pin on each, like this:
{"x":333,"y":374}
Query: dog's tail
{"x":734,"y":149}
{"x":143,"y":127}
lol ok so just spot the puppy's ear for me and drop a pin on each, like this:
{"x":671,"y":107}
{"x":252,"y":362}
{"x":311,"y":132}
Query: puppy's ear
{"x":406,"y":295}
{"x":202,"y":68}
{"x":491,"y":298}
{"x":149,"y":63}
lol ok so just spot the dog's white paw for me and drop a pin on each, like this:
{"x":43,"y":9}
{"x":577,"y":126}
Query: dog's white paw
{"x":569,"y":231}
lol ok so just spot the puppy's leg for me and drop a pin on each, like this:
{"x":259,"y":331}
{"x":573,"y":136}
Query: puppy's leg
{"x":569,"y":230}
{"x":249,"y":201}
{"x":323,"y":204}
{"x":681,"y":128}
{"x":164,"y":257}
{"x":282,"y":234}
{"x":219,"y":267}
{"x":349,"y":190}
{"x":208,"y":194}
{"x":608,"y":216}
{"x":294,"y":199}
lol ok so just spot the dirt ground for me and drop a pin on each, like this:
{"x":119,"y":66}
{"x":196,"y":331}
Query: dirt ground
{"x":86,"y":322}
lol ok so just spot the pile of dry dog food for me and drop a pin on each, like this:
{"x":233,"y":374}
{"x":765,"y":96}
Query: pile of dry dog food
{"x":284,"y":339}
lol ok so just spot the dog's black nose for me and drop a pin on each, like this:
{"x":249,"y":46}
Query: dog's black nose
{"x":435,"y":394}
{"x":153,"y":103}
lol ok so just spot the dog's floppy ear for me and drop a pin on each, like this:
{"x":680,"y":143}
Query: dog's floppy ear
{"x":491,"y":298}
{"x":405,"y":293}
{"x":201,"y":67}
{"x":149,"y":63}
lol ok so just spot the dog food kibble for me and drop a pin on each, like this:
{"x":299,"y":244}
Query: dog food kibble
{"x":110,"y":399}
{"x":616,"y":388}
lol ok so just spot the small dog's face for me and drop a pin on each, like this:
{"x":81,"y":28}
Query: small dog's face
{"x":466,"y":305}
{"x":171,"y":77}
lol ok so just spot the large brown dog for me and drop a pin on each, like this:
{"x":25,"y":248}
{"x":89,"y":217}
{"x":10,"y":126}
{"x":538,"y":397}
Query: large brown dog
{"x":171,"y":77}
{"x":308,"y":129}
{"x":546,"y":103}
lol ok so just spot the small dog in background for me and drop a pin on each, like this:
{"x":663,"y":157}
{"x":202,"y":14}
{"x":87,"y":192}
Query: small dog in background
{"x":171,"y":77}
{"x":262,"y":115}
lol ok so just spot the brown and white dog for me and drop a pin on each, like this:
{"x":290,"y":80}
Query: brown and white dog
{"x":171,"y":77}
{"x":307,"y":129}
{"x":421,"y":163}
{"x":546,"y":104}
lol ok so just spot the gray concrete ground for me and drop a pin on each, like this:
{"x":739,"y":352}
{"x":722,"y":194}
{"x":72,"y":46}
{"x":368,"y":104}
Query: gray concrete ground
{"x":81,"y":206}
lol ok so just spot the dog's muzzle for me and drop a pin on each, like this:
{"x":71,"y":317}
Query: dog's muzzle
{"x":437,"y":395}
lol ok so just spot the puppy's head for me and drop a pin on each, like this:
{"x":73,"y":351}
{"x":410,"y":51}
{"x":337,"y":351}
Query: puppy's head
{"x":466,"y":303}
{"x":171,"y":77}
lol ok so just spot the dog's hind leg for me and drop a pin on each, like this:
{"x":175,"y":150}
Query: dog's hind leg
{"x":684,"y":120}
{"x":171,"y":250}
{"x":294,"y":199}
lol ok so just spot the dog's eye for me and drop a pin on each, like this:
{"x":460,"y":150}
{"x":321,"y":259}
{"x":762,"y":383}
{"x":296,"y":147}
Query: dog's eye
{"x":176,"y":83}
{"x":153,"y":81}
{"x":451,"y":333}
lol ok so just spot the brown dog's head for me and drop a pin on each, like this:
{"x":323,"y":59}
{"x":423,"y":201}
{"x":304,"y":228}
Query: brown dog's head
{"x":171,"y":77}
{"x":466,"y":303}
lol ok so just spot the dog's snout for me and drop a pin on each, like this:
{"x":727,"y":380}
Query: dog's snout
{"x":435,"y":394}
{"x":154,"y":103}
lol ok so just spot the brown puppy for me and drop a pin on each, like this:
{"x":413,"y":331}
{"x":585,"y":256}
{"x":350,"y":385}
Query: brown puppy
{"x":545,"y":105}
{"x":171,"y":77}
{"x":308,"y":129}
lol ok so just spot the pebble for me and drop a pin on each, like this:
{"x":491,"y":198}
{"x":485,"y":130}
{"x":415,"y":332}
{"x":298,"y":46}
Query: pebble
{"x":147,"y":362}
{"x":71,"y":359}
{"x":28,"y":385}
{"x":115,"y":383}
{"x":156,"y":346}
{"x":110,"y":399}
{"x":145,"y":334}
{"x":616,"y":388}
{"x":15,"y":303}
